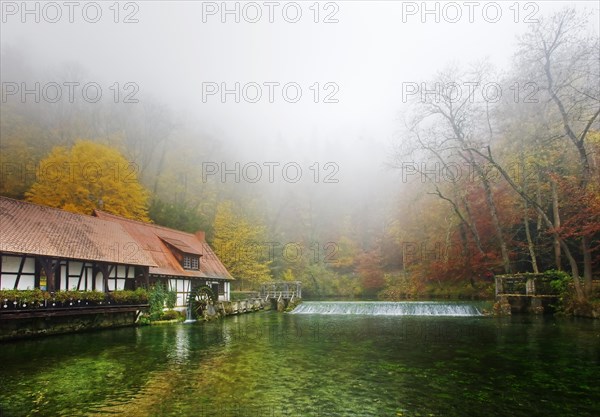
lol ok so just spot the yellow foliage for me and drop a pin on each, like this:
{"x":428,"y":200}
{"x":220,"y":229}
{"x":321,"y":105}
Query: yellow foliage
{"x":90,"y":176}
{"x":288,"y":275}
{"x":241,"y":245}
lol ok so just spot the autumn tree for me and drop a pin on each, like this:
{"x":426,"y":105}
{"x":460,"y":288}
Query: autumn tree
{"x":89,"y":176}
{"x":241,"y":245}
{"x":531,"y":154}
{"x":564,"y":60}
{"x":370,"y":272}
{"x":446,"y":125}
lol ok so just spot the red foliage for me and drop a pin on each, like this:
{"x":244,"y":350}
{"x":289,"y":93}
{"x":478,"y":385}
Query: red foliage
{"x":370,"y":272}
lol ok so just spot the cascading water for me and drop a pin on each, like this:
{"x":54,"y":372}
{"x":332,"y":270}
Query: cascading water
{"x":189,"y":312}
{"x":189,"y":316}
{"x":376,"y":308}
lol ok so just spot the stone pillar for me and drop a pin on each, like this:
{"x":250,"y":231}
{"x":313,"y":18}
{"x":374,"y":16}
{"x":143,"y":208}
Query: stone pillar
{"x":530,"y":286}
{"x":536,"y":306}
{"x":502,"y":307}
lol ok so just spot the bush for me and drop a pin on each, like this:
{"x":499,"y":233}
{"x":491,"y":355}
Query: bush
{"x":74,"y":296}
{"x":561,"y":283}
{"x":156,"y":298}
{"x":33,"y":298}
{"x":142,"y":295}
{"x":171,"y":299}
{"x":171,"y":315}
{"x":139,"y":296}
{"x":20,"y":295}
{"x":93,"y":296}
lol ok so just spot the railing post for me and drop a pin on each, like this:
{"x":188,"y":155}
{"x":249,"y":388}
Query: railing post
{"x":530,"y":286}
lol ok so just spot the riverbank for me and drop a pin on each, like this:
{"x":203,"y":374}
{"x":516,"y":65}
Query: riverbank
{"x":45,"y":322}
{"x":226,"y":308}
{"x":38,"y":323}
{"x":589,"y":309}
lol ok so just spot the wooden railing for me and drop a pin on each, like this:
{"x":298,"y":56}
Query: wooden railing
{"x":281,"y":289}
{"x":524,"y":285}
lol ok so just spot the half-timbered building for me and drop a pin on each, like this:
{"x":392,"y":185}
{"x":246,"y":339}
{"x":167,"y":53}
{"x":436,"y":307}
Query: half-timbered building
{"x":184,"y":261}
{"x":52,"y":249}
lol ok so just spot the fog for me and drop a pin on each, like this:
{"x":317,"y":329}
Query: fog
{"x":358,"y":56}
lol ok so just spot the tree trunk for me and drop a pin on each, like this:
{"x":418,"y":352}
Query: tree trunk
{"x":538,"y":200}
{"x":448,"y":242}
{"x":472,"y":226}
{"x":493,"y":212}
{"x":549,"y":224}
{"x":489,"y":198}
{"x":587,"y":265}
{"x":556,"y":215}
{"x":530,"y":244}
{"x":465,"y":248}
{"x":574,"y":271}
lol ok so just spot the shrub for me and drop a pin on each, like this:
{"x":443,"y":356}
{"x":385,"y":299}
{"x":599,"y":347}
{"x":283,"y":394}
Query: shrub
{"x":94,"y":296}
{"x":139,"y":296}
{"x":66,"y":296}
{"x":560,"y":282}
{"x":171,"y":315}
{"x":142,"y":295}
{"x":156,"y":298}
{"x":36,"y":297}
{"x":171,"y":299}
{"x":31,"y":298}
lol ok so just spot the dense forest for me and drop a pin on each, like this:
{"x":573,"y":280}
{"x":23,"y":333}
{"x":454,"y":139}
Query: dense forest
{"x":490,"y":172}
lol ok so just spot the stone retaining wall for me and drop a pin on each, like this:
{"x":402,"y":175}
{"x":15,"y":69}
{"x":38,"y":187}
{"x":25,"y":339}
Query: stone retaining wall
{"x":43,"y":325}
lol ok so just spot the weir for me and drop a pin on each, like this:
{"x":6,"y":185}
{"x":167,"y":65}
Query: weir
{"x":376,"y":308}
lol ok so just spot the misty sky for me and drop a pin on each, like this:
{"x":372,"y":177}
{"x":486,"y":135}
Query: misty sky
{"x":375,"y":47}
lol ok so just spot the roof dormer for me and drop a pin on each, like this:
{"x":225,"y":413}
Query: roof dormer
{"x":188,"y":257}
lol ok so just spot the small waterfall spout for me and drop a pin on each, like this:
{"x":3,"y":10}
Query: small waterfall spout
{"x":189,"y":312}
{"x":375,"y":308}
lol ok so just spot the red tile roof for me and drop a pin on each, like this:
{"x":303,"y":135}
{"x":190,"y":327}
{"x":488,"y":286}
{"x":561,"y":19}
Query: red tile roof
{"x":153,"y":239}
{"x":181,"y":246}
{"x":27,"y":228}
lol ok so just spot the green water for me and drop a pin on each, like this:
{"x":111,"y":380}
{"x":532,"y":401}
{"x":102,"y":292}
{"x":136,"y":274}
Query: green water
{"x":269,"y":364}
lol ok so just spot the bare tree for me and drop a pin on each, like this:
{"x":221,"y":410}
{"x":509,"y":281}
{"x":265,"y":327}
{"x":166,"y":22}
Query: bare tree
{"x":460,"y":121}
{"x":565,"y":61}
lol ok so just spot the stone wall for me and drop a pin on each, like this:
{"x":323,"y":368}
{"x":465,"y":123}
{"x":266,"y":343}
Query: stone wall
{"x":506,"y":305}
{"x":26,"y":324}
{"x":228,"y":308}
{"x":16,"y":328}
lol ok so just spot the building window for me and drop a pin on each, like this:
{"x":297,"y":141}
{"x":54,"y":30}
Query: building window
{"x":191,"y":262}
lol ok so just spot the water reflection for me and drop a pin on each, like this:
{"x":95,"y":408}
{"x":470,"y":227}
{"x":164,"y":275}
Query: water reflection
{"x":277,"y":364}
{"x":181,"y":349}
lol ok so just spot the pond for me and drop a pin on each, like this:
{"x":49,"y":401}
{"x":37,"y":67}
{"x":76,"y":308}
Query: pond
{"x":353,"y":361}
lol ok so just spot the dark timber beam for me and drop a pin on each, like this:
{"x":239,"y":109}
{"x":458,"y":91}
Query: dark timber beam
{"x":105,"y":271}
{"x":21,"y":265}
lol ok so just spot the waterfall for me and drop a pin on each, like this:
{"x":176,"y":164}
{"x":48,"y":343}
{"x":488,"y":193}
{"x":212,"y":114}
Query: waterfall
{"x":376,"y":308}
{"x":189,"y":313}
